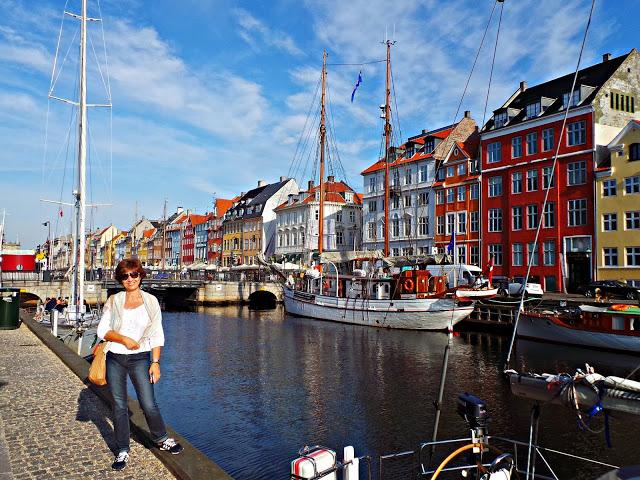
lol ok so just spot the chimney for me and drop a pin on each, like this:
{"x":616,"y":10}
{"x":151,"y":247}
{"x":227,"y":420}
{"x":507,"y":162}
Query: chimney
{"x":283,"y":178}
{"x":606,"y":57}
{"x":523,"y":86}
{"x":467,"y":114}
{"x":261,"y":183}
{"x":424,"y":131}
{"x":311,"y":185}
{"x":331,"y":179}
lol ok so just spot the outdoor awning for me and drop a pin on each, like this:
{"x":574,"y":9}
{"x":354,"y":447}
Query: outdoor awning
{"x":350,"y":256}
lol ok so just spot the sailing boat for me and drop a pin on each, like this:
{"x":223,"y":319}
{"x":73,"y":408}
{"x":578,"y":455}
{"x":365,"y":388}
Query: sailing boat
{"x":412,"y":299}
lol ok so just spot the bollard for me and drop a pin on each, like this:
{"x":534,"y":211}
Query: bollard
{"x":351,"y":471}
{"x":54,"y":322}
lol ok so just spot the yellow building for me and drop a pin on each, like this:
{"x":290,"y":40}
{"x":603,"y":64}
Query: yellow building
{"x":618,"y":209}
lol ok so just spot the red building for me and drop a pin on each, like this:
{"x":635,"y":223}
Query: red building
{"x":518,"y":147}
{"x":189,"y":238}
{"x":214,"y":229}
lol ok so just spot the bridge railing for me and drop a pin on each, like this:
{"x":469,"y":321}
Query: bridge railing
{"x":20,"y":277}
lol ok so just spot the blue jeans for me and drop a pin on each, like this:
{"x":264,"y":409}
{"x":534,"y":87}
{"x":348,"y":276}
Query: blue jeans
{"x":137,"y":366}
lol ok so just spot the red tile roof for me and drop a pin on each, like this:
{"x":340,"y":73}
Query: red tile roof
{"x":379,"y":165}
{"x":149,"y":233}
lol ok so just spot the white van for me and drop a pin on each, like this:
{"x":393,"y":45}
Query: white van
{"x":464,"y":274}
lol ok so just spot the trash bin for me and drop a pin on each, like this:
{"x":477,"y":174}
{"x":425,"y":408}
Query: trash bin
{"x":9,"y":308}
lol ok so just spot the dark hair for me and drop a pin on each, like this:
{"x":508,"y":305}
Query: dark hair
{"x":129,"y":265}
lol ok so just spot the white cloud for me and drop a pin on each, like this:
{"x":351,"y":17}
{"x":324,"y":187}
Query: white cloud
{"x":256,"y":33}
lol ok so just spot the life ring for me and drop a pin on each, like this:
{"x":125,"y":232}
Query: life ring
{"x":408,"y":284}
{"x":621,"y":307}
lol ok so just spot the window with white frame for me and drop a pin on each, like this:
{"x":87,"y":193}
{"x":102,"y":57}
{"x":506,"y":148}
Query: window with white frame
{"x":423,"y":226}
{"x":632,"y":220}
{"x":423,"y":173}
{"x":632,"y":185}
{"x":408,"y":177}
{"x":462,"y":223}
{"x":532,"y":216}
{"x":451,"y":195}
{"x":547,"y":139}
{"x":474,"y":255}
{"x":372,"y":184}
{"x":371,"y":230}
{"x":575,"y":99}
{"x":548,"y":181}
{"x":451,"y":172}
{"x":516,"y":218}
{"x":517,"y":254}
{"x":407,"y":201}
{"x":475,"y":221}
{"x":339,"y":216}
{"x":577,"y":173}
{"x":407,"y":226}
{"x":577,"y":212}
{"x":633,"y":256}
{"x":462,"y":169}
{"x":395,"y":252}
{"x":474,"y":191}
{"x":610,"y":256}
{"x":576,"y":133}
{"x":609,"y":188}
{"x":423,"y":199}
{"x":395,"y":178}
{"x":533,"y":110}
{"x":495,"y":220}
{"x":451,"y":218}
{"x":494,"y":152}
{"x":429,"y":145}
{"x":516,"y":182}
{"x":516,"y":147}
{"x":532,"y":180}
{"x":440,"y":224}
{"x":462,"y":193}
{"x":440,"y":197}
{"x":549,"y":214}
{"x":373,"y":205}
{"x":532,"y":143}
{"x":495,"y":251}
{"x":339,"y":237}
{"x":395,"y":201}
{"x":609,"y":222}
{"x":395,"y":227}
{"x":495,"y":186}
{"x":352,"y":216}
{"x":549,"y":252}
{"x":500,"y":119}
{"x":461,"y":254}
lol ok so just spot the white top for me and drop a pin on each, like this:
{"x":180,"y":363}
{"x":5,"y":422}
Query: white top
{"x":134,"y":322}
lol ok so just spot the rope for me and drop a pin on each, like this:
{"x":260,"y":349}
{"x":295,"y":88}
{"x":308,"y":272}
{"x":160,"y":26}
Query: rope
{"x":493,"y":61}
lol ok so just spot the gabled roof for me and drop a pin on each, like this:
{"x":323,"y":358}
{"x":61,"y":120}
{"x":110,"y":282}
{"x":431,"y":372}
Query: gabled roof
{"x":332,"y":193}
{"x":594,"y":76}
{"x":632,"y":125}
{"x":257,"y":196}
{"x":148,"y":233}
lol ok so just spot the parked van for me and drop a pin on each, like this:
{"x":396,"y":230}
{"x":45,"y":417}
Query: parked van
{"x":464,"y":274}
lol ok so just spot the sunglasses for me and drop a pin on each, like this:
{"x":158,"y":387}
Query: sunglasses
{"x":130,"y":274}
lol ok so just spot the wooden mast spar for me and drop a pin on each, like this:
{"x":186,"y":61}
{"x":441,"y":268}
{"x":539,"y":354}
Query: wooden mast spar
{"x":323,"y":132}
{"x":387,"y":143}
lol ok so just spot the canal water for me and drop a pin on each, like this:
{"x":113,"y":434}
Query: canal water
{"x":250,"y":388}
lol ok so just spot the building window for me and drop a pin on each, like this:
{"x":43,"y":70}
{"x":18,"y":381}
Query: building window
{"x":440,"y":222}
{"x":462,"y":193}
{"x":495,"y":251}
{"x":549,"y":214}
{"x":516,"y":147}
{"x":549,"y":252}
{"x":373,"y":205}
{"x":634,"y":152}
{"x":619,"y":101}
{"x":495,"y":186}
{"x":632,"y":185}
{"x":338,"y":216}
{"x":352,"y":216}
{"x":533,"y":254}
{"x":339,"y":237}
{"x":429,"y":146}
{"x":532,"y":216}
{"x":423,"y":199}
{"x":461,"y":254}
{"x":547,"y":139}
{"x":494,"y":152}
{"x":395,"y":202}
{"x":516,"y":182}
{"x":575,"y":99}
{"x":517,"y":254}
{"x":462,"y":169}
{"x":609,"y":222}
{"x":577,"y":173}
{"x":451,"y":195}
{"x":372,"y":184}
{"x":422,"y":173}
{"x":577,"y":212}
{"x":317,"y":214}
{"x":610,"y":256}
{"x":495,"y":220}
{"x":632,"y":220}
{"x":609,"y":188}
{"x":395,"y":227}
{"x":462,"y":223}
{"x":372,"y":230}
{"x":451,"y":172}
{"x":475,"y":221}
{"x":474,"y":191}
{"x":440,"y":197}
{"x":533,"y":110}
{"x":395,"y":252}
{"x":407,"y":176}
{"x":633,"y":256}
{"x":423,"y":226}
{"x":451,"y":218}
{"x":532,"y":143}
{"x":500,"y":119}
{"x":407,"y":201}
{"x":576,"y":133}
{"x":395,"y":178}
{"x":532,"y":180}
{"x":548,"y":181}
{"x":407,"y":226}
{"x":516,"y":216}
{"x":475,"y":255}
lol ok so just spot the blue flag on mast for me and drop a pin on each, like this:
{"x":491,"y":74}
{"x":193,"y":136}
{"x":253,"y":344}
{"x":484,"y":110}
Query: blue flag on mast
{"x":453,"y":238}
{"x":357,"y":85}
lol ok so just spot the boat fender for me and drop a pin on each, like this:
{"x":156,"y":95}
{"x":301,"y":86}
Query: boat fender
{"x":408,"y":285}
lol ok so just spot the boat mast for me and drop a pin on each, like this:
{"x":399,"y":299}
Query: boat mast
{"x":387,"y":143}
{"x":323,"y":132}
{"x":82,"y":159}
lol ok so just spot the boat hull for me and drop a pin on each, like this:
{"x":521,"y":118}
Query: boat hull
{"x":552,"y":330}
{"x":407,"y":314}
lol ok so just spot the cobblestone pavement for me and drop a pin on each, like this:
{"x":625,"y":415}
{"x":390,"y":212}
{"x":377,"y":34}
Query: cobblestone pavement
{"x":54,"y":426}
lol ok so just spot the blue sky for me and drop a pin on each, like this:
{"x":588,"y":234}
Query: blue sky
{"x":209,"y":96}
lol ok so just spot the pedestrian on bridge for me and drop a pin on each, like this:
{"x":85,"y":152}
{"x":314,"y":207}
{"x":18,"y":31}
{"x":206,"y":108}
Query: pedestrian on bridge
{"x":132,"y":324}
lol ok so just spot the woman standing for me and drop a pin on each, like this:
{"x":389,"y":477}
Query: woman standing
{"x":132,"y":323}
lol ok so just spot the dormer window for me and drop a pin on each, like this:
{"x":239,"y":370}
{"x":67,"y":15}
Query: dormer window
{"x":533,"y":110}
{"x":500,"y":119}
{"x":429,"y":146}
{"x":410,"y":151}
{"x":574,"y":99}
{"x":348,"y":196}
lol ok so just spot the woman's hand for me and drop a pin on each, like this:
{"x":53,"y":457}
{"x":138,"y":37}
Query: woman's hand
{"x":154,"y":372}
{"x":130,"y":343}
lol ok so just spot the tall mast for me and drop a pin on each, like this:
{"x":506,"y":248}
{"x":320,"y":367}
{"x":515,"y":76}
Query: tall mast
{"x":323,"y":132}
{"x":82,"y":160}
{"x":164,"y":232}
{"x":387,"y":143}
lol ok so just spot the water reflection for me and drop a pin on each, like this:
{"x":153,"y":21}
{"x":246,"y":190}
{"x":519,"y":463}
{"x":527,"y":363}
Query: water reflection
{"x":249,"y":388}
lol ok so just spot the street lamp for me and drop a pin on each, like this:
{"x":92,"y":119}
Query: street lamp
{"x":48,"y":225}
